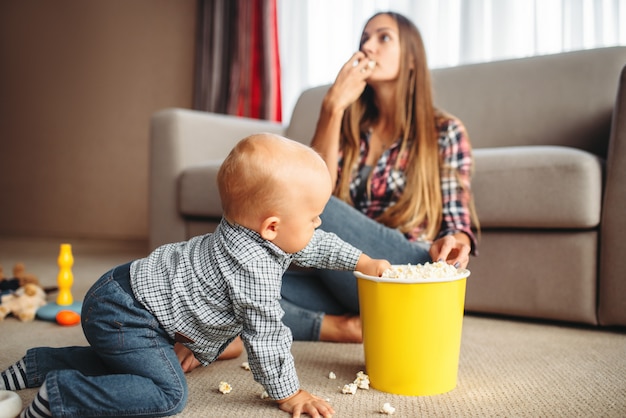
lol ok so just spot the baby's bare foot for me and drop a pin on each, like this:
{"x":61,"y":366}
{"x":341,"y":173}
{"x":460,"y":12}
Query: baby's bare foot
{"x":341,"y":329}
{"x":233,"y":350}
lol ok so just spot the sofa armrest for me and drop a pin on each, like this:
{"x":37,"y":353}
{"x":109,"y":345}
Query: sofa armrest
{"x":198,"y":194}
{"x":612,"y":284}
{"x":180,"y":138}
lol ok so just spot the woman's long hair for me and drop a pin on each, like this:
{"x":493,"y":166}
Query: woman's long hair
{"x":421,"y":202}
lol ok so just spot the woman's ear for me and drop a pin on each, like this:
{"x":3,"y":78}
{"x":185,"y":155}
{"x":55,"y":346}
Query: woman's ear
{"x":269,"y":228}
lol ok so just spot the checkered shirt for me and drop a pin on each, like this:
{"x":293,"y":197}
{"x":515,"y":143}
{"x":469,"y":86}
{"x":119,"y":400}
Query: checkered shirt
{"x":388,"y":180}
{"x":220,"y":285}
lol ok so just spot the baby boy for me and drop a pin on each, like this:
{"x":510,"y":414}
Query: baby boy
{"x":202,"y":293}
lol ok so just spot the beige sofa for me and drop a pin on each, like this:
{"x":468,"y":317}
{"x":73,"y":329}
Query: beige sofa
{"x":549,"y":137}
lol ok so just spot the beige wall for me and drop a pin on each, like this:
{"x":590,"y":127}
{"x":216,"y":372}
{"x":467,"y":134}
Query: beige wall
{"x":78,"y":83}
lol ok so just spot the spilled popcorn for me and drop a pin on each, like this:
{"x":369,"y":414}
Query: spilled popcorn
{"x":387,"y":409}
{"x":245,"y":365}
{"x":349,"y":389}
{"x":438,"y":270}
{"x":332,"y":375}
{"x":225,"y":387}
{"x":362,"y":381}
{"x":264,"y":395}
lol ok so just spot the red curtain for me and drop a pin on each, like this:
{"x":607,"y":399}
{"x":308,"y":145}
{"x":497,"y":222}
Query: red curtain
{"x":238,"y":62}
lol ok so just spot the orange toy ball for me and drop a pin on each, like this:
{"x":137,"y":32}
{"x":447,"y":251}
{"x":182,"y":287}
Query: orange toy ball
{"x":67,"y":318}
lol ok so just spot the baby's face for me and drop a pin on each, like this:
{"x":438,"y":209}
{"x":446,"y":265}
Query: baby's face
{"x":299,"y":220}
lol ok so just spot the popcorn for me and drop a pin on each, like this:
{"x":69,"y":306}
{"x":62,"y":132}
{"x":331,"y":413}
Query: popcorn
{"x":370,"y":64}
{"x":245,"y":365}
{"x":225,"y":387}
{"x":332,"y":375}
{"x":265,"y":395}
{"x":349,"y":389}
{"x":387,"y":409}
{"x":438,"y":270}
{"x":362,"y":381}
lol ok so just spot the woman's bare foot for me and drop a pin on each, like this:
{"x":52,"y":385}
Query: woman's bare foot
{"x":341,"y":329}
{"x":189,"y":362}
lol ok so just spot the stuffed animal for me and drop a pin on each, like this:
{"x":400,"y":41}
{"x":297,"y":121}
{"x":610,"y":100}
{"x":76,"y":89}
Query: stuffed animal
{"x":20,"y":295}
{"x":23,"y":303}
{"x":20,"y":273}
{"x":19,"y":279}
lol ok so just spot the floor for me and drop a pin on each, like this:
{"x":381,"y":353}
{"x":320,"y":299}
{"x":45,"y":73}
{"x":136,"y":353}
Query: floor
{"x":39,"y":256}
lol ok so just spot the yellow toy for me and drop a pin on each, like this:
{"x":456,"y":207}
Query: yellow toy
{"x":65,"y":280}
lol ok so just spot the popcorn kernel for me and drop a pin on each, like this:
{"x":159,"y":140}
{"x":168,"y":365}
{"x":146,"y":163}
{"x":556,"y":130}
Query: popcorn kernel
{"x":225,"y":387}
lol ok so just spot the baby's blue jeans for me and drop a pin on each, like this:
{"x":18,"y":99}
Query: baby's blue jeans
{"x":129,"y":369}
{"x":308,"y":295}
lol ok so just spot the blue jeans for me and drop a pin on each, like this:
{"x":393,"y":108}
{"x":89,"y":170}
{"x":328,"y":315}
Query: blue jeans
{"x":308,"y":295}
{"x":129,"y":369}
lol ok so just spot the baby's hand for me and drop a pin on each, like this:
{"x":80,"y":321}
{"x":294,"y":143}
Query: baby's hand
{"x":382,"y":266}
{"x":302,"y":402}
{"x":372,"y":266}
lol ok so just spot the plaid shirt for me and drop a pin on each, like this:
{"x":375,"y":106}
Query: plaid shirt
{"x":388,"y":182}
{"x":217,"y":286}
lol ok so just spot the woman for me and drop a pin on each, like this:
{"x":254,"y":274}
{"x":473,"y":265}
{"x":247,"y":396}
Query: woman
{"x":401,"y":170}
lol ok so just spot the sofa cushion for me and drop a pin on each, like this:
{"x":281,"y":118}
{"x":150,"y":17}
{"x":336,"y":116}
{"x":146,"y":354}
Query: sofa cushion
{"x":537,"y":187}
{"x":514,"y":187}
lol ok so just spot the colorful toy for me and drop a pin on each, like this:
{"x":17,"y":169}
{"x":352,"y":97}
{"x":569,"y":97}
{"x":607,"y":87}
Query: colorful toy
{"x":67,"y":318}
{"x":65,"y":280}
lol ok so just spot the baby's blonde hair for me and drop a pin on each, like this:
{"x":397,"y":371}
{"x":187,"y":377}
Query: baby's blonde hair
{"x":259,"y":174}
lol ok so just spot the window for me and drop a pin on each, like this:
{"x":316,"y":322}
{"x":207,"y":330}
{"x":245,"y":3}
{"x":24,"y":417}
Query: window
{"x":317,"y":36}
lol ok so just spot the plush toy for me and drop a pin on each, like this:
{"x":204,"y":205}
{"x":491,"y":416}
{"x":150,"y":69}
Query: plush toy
{"x":20,"y":273}
{"x":20,"y":295}
{"x":23,"y":303}
{"x":19,"y":279}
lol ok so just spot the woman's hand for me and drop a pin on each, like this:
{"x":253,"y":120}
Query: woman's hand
{"x":453,"y":249}
{"x":305,"y":403}
{"x":346,"y":89}
{"x":350,"y":82}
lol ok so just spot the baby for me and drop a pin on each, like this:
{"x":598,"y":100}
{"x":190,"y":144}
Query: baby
{"x":202,"y":293}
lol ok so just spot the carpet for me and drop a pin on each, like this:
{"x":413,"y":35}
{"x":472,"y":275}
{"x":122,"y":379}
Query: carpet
{"x":507,"y":367}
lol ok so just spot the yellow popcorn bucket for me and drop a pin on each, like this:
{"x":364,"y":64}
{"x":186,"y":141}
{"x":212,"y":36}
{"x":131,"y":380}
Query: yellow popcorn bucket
{"x":412,"y":332}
